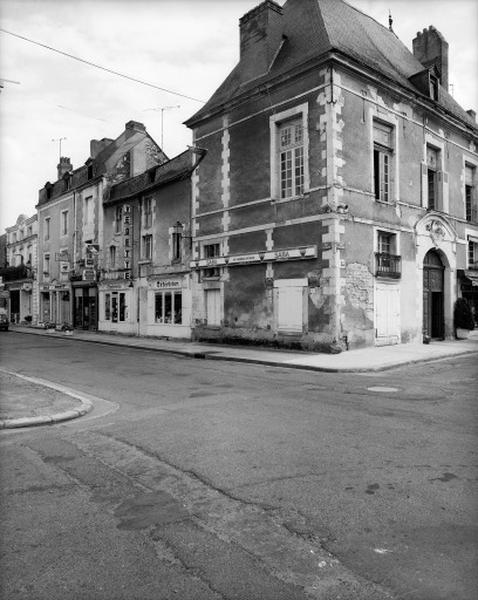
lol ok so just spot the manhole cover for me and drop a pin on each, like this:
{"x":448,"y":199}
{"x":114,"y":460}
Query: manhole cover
{"x":382,"y":388}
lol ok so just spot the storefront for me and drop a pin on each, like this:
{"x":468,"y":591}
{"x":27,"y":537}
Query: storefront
{"x":117,"y":307}
{"x":468,"y":280}
{"x":168,"y":307}
{"x":85,"y":306}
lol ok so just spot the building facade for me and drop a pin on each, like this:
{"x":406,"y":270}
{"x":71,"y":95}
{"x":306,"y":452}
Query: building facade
{"x":70,"y":214}
{"x":336,"y":205}
{"x":145,"y":283}
{"x":19,"y":274}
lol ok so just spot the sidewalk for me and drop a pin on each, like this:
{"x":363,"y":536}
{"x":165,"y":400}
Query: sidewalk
{"x":27,"y":401}
{"x":361,"y":360}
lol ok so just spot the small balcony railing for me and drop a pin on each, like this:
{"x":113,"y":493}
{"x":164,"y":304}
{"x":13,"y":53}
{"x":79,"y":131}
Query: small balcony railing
{"x":388,"y":265}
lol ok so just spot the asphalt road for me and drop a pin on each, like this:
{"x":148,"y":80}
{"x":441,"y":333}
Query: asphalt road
{"x":194,"y":479}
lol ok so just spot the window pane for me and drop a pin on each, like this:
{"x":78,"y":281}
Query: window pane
{"x":122,"y":306}
{"x":114,"y":308}
{"x":168,"y":307}
{"x":178,"y":308}
{"x":158,"y":308}
{"x":107,"y":307}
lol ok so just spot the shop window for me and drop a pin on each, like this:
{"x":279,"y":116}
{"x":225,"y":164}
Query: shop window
{"x":147,"y":213}
{"x":471,"y":212}
{"x":168,"y":308}
{"x":122,"y":306}
{"x":382,"y":161}
{"x":211,"y":252}
{"x":289,"y":153}
{"x":119,"y":309}
{"x":107,"y":307}
{"x":146,"y":247}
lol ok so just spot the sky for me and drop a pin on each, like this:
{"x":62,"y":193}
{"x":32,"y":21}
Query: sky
{"x":185,"y":46}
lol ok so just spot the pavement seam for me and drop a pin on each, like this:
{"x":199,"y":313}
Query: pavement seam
{"x":86,"y":405}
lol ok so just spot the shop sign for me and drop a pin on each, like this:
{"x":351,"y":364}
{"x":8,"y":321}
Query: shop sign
{"x":89,"y":275}
{"x":167,"y":283}
{"x":299,"y":253}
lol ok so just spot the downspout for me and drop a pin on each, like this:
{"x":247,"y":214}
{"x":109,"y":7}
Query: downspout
{"x":72,"y":289}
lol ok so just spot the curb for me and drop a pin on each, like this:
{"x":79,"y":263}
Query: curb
{"x":67,"y":415}
{"x":215,"y":355}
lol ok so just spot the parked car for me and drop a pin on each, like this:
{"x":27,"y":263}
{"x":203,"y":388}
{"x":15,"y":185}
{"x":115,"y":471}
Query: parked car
{"x":3,"y":322}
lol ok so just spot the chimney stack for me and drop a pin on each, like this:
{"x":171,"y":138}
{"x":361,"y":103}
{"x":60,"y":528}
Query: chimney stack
{"x":261,"y":37}
{"x":431,"y":49}
{"x":96,"y":146}
{"x":64,"y":166}
{"x":472,"y":114}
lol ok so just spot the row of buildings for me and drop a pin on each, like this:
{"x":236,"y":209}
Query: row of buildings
{"x":329,"y":198}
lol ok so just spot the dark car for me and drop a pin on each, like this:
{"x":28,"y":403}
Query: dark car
{"x":3,"y":322}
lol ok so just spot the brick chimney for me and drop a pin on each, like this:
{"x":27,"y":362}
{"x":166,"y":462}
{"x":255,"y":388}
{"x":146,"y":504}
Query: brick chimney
{"x":96,"y":146}
{"x":64,"y":166}
{"x":431,"y":49}
{"x":135,"y":126}
{"x":261,"y":37}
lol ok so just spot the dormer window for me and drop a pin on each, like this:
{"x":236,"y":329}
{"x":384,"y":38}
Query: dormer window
{"x":90,"y":172}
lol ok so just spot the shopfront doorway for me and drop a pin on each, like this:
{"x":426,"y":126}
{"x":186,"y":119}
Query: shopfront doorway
{"x":86,"y":308}
{"x":433,"y":296}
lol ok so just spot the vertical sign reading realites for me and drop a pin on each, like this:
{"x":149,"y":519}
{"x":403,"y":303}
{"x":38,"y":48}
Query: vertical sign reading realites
{"x":127,"y":229}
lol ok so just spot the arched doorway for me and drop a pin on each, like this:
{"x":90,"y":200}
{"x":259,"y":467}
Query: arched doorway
{"x":433,"y":295}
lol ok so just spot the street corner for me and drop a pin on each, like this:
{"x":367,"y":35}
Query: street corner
{"x":27,"y":402}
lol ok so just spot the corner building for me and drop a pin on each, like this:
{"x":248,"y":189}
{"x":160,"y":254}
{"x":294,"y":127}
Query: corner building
{"x":337,"y":201}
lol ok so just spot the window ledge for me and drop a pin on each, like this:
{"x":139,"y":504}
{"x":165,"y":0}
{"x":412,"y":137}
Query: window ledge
{"x":290,"y":199}
{"x":145,"y":261}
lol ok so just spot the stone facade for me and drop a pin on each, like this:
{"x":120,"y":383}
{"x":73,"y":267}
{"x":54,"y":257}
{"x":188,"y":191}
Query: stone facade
{"x":336,"y":206}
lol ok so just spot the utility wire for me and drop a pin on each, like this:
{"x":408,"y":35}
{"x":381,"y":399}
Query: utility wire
{"x":92,"y":64}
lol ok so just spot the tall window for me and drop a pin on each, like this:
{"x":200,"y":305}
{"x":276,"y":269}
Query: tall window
{"x":382,"y":160}
{"x":112,"y":257}
{"x":147,"y":213}
{"x":432,"y":178}
{"x":147,"y":247}
{"x":47,"y":228}
{"x":168,"y":308}
{"x":46,"y":264}
{"x":470,"y":201}
{"x":472,"y":255}
{"x":388,"y":263}
{"x":211,"y":252}
{"x":107,"y":307}
{"x":118,"y":218}
{"x":176,"y":242}
{"x":89,"y":210}
{"x":64,"y":222}
{"x":291,"y":149}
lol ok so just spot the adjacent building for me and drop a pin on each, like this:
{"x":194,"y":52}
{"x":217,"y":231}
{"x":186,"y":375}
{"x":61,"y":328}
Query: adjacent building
{"x":70,"y":216}
{"x":145,"y":282}
{"x":19,"y":292}
{"x":337,"y":203}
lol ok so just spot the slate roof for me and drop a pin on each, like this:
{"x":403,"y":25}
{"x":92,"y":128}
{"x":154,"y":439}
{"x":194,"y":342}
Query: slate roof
{"x":175,"y":169}
{"x":317,"y":27}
